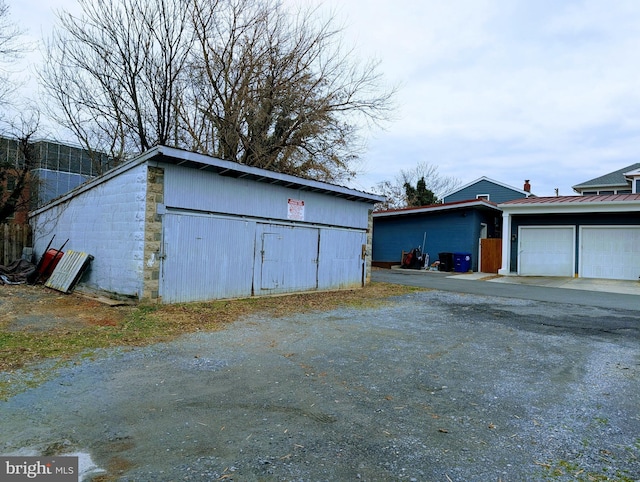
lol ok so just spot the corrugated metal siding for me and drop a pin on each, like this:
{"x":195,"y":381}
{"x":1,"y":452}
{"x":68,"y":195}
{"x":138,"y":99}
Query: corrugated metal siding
{"x":211,"y":257}
{"x":286,"y":259}
{"x":68,"y":271}
{"x":341,"y":260}
{"x":211,"y":192}
{"x":206,"y":258}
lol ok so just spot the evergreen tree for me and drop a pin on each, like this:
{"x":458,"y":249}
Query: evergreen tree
{"x":419,"y":195}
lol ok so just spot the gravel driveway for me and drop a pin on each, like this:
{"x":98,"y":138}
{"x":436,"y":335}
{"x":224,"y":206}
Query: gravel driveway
{"x":436,"y":386}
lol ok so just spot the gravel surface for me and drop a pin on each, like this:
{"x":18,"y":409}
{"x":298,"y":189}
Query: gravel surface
{"x":434,"y":387}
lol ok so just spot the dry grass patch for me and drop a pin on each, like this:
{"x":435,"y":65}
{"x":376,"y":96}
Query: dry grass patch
{"x":39,"y":324}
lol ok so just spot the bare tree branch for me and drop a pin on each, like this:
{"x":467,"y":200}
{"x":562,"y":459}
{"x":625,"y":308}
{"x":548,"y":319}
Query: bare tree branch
{"x":12,"y":47}
{"x":15,"y":173}
{"x":396,"y":193}
{"x":115,"y":72}
{"x":243,"y":80}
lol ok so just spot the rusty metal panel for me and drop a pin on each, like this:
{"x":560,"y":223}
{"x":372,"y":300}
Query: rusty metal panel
{"x":341,"y":264}
{"x":68,"y":271}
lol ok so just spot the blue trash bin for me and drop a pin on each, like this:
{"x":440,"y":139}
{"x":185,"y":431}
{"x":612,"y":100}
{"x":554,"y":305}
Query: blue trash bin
{"x":461,"y":262}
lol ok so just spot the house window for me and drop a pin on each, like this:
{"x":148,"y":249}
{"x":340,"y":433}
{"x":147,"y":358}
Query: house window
{"x":482,"y":196}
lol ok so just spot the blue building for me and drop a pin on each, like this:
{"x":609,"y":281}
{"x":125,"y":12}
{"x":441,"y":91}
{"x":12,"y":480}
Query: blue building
{"x":489,"y":190}
{"x":441,"y":228}
{"x":468,"y":215}
{"x":593,"y":236}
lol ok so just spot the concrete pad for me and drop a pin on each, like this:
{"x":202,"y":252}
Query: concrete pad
{"x":588,"y":284}
{"x":473,"y":276}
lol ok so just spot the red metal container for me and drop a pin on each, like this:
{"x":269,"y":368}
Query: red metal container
{"x":49,"y":262}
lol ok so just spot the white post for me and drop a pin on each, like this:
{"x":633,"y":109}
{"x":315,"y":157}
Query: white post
{"x":505,"y":270}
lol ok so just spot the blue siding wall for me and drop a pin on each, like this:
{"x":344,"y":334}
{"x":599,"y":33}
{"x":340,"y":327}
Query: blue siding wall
{"x":577,"y":220}
{"x":497,"y":194}
{"x":454,"y":232}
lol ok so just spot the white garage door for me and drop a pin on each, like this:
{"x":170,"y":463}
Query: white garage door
{"x":610,"y":252}
{"x":546,"y":250}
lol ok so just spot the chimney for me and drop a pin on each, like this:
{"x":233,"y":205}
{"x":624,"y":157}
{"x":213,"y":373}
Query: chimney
{"x":527,"y":186}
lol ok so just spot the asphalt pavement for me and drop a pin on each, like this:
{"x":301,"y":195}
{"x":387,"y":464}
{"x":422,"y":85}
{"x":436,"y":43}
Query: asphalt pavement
{"x":579,"y":291}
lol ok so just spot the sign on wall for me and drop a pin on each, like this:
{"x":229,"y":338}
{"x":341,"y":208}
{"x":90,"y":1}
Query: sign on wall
{"x":295,"y":209}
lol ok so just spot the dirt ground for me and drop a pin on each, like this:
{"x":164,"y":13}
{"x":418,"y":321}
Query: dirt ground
{"x":435,"y":386}
{"x":39,"y":309}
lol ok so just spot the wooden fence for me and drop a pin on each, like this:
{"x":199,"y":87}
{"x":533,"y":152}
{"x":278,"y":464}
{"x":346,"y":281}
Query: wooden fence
{"x":13,"y":237}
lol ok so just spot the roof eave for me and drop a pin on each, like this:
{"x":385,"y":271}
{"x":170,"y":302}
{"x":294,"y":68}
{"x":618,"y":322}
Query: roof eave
{"x":572,"y":208}
{"x":434,"y":208}
{"x":582,"y":187}
{"x":242,"y":171}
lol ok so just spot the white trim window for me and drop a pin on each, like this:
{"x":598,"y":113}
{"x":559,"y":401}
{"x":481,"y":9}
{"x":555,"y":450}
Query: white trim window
{"x":482,"y":196}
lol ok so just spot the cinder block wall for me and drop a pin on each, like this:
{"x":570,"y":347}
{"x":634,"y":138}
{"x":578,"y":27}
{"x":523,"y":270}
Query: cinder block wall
{"x":108,"y":222}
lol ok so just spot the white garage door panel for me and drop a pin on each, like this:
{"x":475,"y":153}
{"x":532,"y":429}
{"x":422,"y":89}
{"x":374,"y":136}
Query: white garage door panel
{"x":610,"y":252}
{"x":546,"y":251}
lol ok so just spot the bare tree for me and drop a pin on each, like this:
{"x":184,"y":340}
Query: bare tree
{"x":397,"y":194}
{"x":114,"y":72}
{"x":18,"y":156}
{"x":243,"y":80}
{"x":15,"y":170}
{"x":11,"y":49}
{"x":278,"y":91}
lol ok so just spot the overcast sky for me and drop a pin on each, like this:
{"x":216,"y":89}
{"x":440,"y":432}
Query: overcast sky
{"x":546,"y":90}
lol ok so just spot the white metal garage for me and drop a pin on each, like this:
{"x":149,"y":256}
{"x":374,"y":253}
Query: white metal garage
{"x":610,"y":252}
{"x":176,"y":226}
{"x":546,"y":250}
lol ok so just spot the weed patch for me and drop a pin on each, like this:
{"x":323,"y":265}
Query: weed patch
{"x":38,"y":325}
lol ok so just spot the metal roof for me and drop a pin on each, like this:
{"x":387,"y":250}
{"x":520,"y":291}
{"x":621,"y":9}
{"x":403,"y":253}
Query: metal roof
{"x":629,"y":203}
{"x":242,"y":171}
{"x":579,"y":200}
{"x":163,"y":154}
{"x":472,"y":203}
{"x":613,"y":179}
{"x":68,"y":271}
